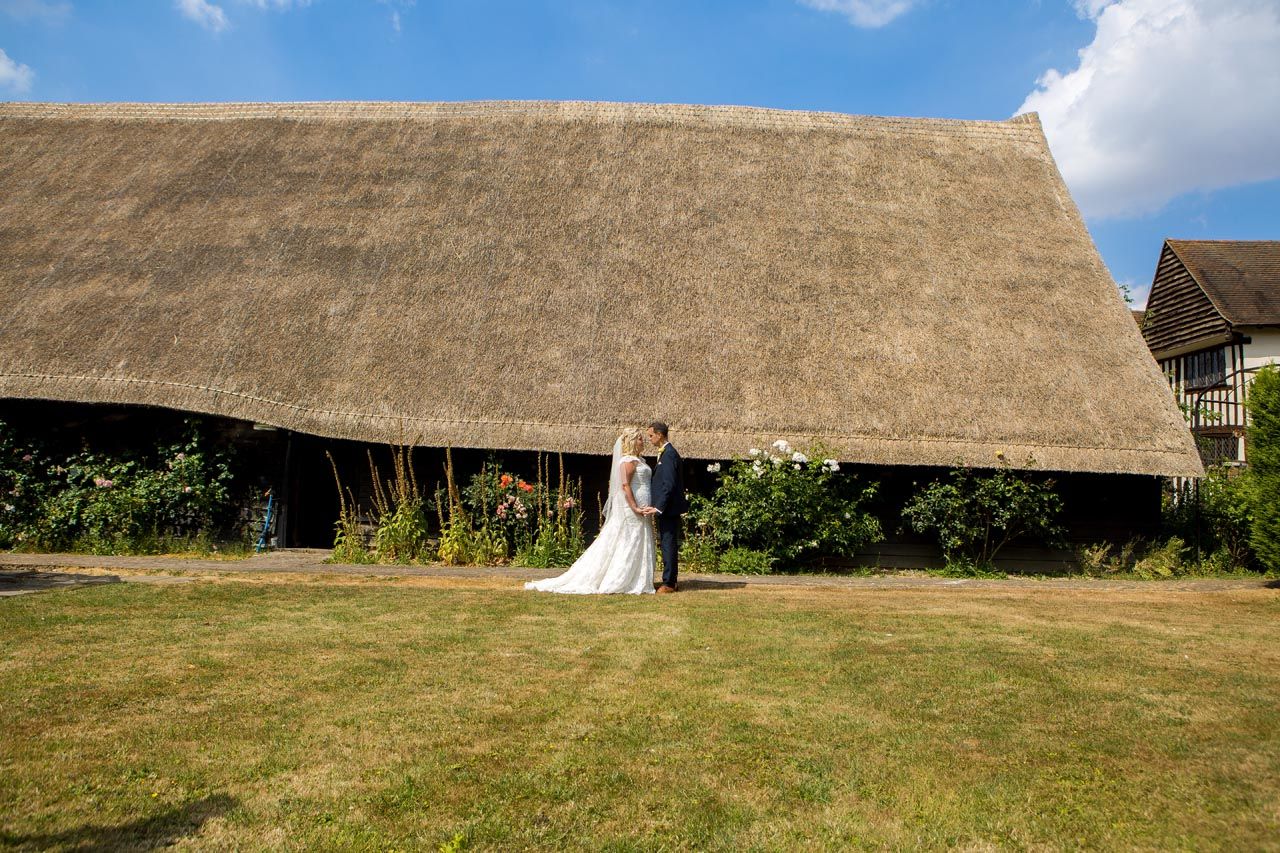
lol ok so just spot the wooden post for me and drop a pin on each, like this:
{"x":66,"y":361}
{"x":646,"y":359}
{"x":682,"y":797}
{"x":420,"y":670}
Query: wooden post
{"x":285,"y":494}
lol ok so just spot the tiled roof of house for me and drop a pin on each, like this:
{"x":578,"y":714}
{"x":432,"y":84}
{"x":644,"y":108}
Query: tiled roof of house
{"x":1241,"y":277}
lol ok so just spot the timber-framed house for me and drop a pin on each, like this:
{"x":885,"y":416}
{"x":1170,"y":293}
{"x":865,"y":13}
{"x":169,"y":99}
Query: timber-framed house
{"x":1212,"y":320}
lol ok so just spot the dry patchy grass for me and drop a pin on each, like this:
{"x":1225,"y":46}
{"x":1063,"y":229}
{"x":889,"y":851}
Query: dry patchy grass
{"x":372,"y":713}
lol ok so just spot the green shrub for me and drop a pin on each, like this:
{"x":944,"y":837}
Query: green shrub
{"x":964,"y":567}
{"x":1263,"y":441}
{"x":698,"y":552}
{"x":349,"y":544}
{"x":1104,"y":559}
{"x":547,"y":551}
{"x":400,"y":529}
{"x":744,"y":561}
{"x":454,"y":548}
{"x":401,"y":534}
{"x":787,"y":504}
{"x":535,"y":524}
{"x":505,"y":503}
{"x":1163,"y":561}
{"x":130,"y":502}
{"x":1227,"y":507}
{"x":974,"y":515}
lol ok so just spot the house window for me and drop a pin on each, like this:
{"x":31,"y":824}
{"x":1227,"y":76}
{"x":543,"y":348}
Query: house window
{"x":1205,"y":369}
{"x":1216,"y":449}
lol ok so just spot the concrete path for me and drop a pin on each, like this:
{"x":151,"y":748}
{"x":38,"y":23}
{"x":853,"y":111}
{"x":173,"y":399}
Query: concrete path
{"x":32,"y":572}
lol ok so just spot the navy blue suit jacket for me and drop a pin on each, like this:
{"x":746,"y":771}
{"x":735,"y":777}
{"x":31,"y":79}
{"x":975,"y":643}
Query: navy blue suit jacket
{"x":667,"y":487}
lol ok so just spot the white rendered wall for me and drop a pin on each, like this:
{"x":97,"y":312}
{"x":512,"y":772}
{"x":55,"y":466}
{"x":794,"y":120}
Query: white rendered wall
{"x":1263,"y":349}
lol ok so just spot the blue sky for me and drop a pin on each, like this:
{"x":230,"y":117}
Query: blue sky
{"x":1117,"y":82}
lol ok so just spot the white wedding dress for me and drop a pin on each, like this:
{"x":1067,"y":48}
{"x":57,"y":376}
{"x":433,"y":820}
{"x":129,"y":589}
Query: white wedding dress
{"x":623,"y":556}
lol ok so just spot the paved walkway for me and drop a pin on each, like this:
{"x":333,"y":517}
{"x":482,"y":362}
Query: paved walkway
{"x":36,"y":572}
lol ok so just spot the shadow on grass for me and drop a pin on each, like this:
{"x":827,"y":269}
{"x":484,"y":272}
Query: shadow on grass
{"x":13,"y":582}
{"x":705,"y":585}
{"x":159,"y":830}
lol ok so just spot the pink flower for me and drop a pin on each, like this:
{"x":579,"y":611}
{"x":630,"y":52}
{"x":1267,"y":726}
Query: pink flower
{"x":186,"y":490}
{"x":568,"y":503}
{"x":26,"y":457}
{"x":103,"y":483}
{"x":180,"y":456}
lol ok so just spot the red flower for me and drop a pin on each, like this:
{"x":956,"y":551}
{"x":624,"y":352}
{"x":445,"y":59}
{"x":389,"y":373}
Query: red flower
{"x":523,"y":486}
{"x":505,"y":480}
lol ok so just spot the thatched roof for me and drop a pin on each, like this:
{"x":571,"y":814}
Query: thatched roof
{"x":534,"y":275}
{"x":1240,"y":277}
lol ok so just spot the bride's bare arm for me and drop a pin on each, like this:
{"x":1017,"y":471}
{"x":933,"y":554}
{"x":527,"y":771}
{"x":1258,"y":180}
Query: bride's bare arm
{"x":628,"y":470}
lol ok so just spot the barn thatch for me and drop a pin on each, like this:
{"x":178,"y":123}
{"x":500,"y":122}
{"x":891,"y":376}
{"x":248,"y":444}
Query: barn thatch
{"x":534,"y":275}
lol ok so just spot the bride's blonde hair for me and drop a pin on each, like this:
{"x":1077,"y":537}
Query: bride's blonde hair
{"x":632,"y":442}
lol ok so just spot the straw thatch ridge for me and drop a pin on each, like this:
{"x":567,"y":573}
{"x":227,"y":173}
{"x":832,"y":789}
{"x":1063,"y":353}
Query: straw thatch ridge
{"x":534,"y":275}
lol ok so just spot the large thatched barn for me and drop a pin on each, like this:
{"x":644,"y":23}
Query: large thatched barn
{"x":533,"y":275}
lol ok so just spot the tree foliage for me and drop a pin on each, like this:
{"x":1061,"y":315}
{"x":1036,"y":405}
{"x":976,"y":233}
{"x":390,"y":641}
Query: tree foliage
{"x":1264,"y":464}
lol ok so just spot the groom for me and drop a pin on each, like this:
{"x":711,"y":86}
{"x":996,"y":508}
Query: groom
{"x":668,"y":498}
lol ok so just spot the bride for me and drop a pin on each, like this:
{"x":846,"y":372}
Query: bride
{"x":622,"y":557}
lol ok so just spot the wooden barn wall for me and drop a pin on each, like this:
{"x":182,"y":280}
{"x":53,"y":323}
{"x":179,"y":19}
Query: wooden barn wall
{"x":1098,"y":507}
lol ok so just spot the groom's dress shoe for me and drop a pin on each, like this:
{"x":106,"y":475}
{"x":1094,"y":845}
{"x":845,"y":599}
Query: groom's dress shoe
{"x":662,"y":590}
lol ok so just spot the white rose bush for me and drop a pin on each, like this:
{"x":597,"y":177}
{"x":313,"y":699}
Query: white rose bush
{"x":779,"y":508}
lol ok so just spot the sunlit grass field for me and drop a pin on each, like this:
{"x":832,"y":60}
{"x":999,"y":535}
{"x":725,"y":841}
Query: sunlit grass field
{"x":413,"y":713}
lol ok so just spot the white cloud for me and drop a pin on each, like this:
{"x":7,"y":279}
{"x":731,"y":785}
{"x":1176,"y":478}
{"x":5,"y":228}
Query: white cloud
{"x":1137,"y":291}
{"x":26,"y":10}
{"x":1172,"y":96}
{"x":864,"y":13}
{"x":396,"y":6}
{"x":204,"y":13}
{"x":15,"y":76}
{"x":1091,"y":8}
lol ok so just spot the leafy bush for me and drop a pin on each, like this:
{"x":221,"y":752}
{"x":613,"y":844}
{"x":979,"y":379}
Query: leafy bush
{"x":744,"y":561}
{"x":349,"y":539}
{"x":455,"y":546}
{"x":1163,"y":561}
{"x":783,"y":503}
{"x":1227,"y":503}
{"x":134,"y":502}
{"x":1264,"y":463}
{"x":400,"y":535}
{"x":974,"y":515}
{"x":539,"y":525}
{"x":1215,"y":515}
{"x":548,"y":550}
{"x":495,"y":516}
{"x":698,"y":552}
{"x":507,"y":504}
{"x":1103,"y":559}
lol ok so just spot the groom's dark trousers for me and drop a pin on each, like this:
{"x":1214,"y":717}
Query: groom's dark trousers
{"x":668,"y":496}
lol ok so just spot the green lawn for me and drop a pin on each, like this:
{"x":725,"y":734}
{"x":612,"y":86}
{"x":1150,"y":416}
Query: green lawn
{"x":407,"y":714}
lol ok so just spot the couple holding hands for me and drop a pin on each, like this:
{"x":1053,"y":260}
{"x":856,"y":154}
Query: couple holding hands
{"x":623,"y":556}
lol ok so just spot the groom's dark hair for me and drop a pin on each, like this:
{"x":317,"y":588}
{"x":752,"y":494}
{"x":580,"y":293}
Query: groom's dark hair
{"x":659,"y":427}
